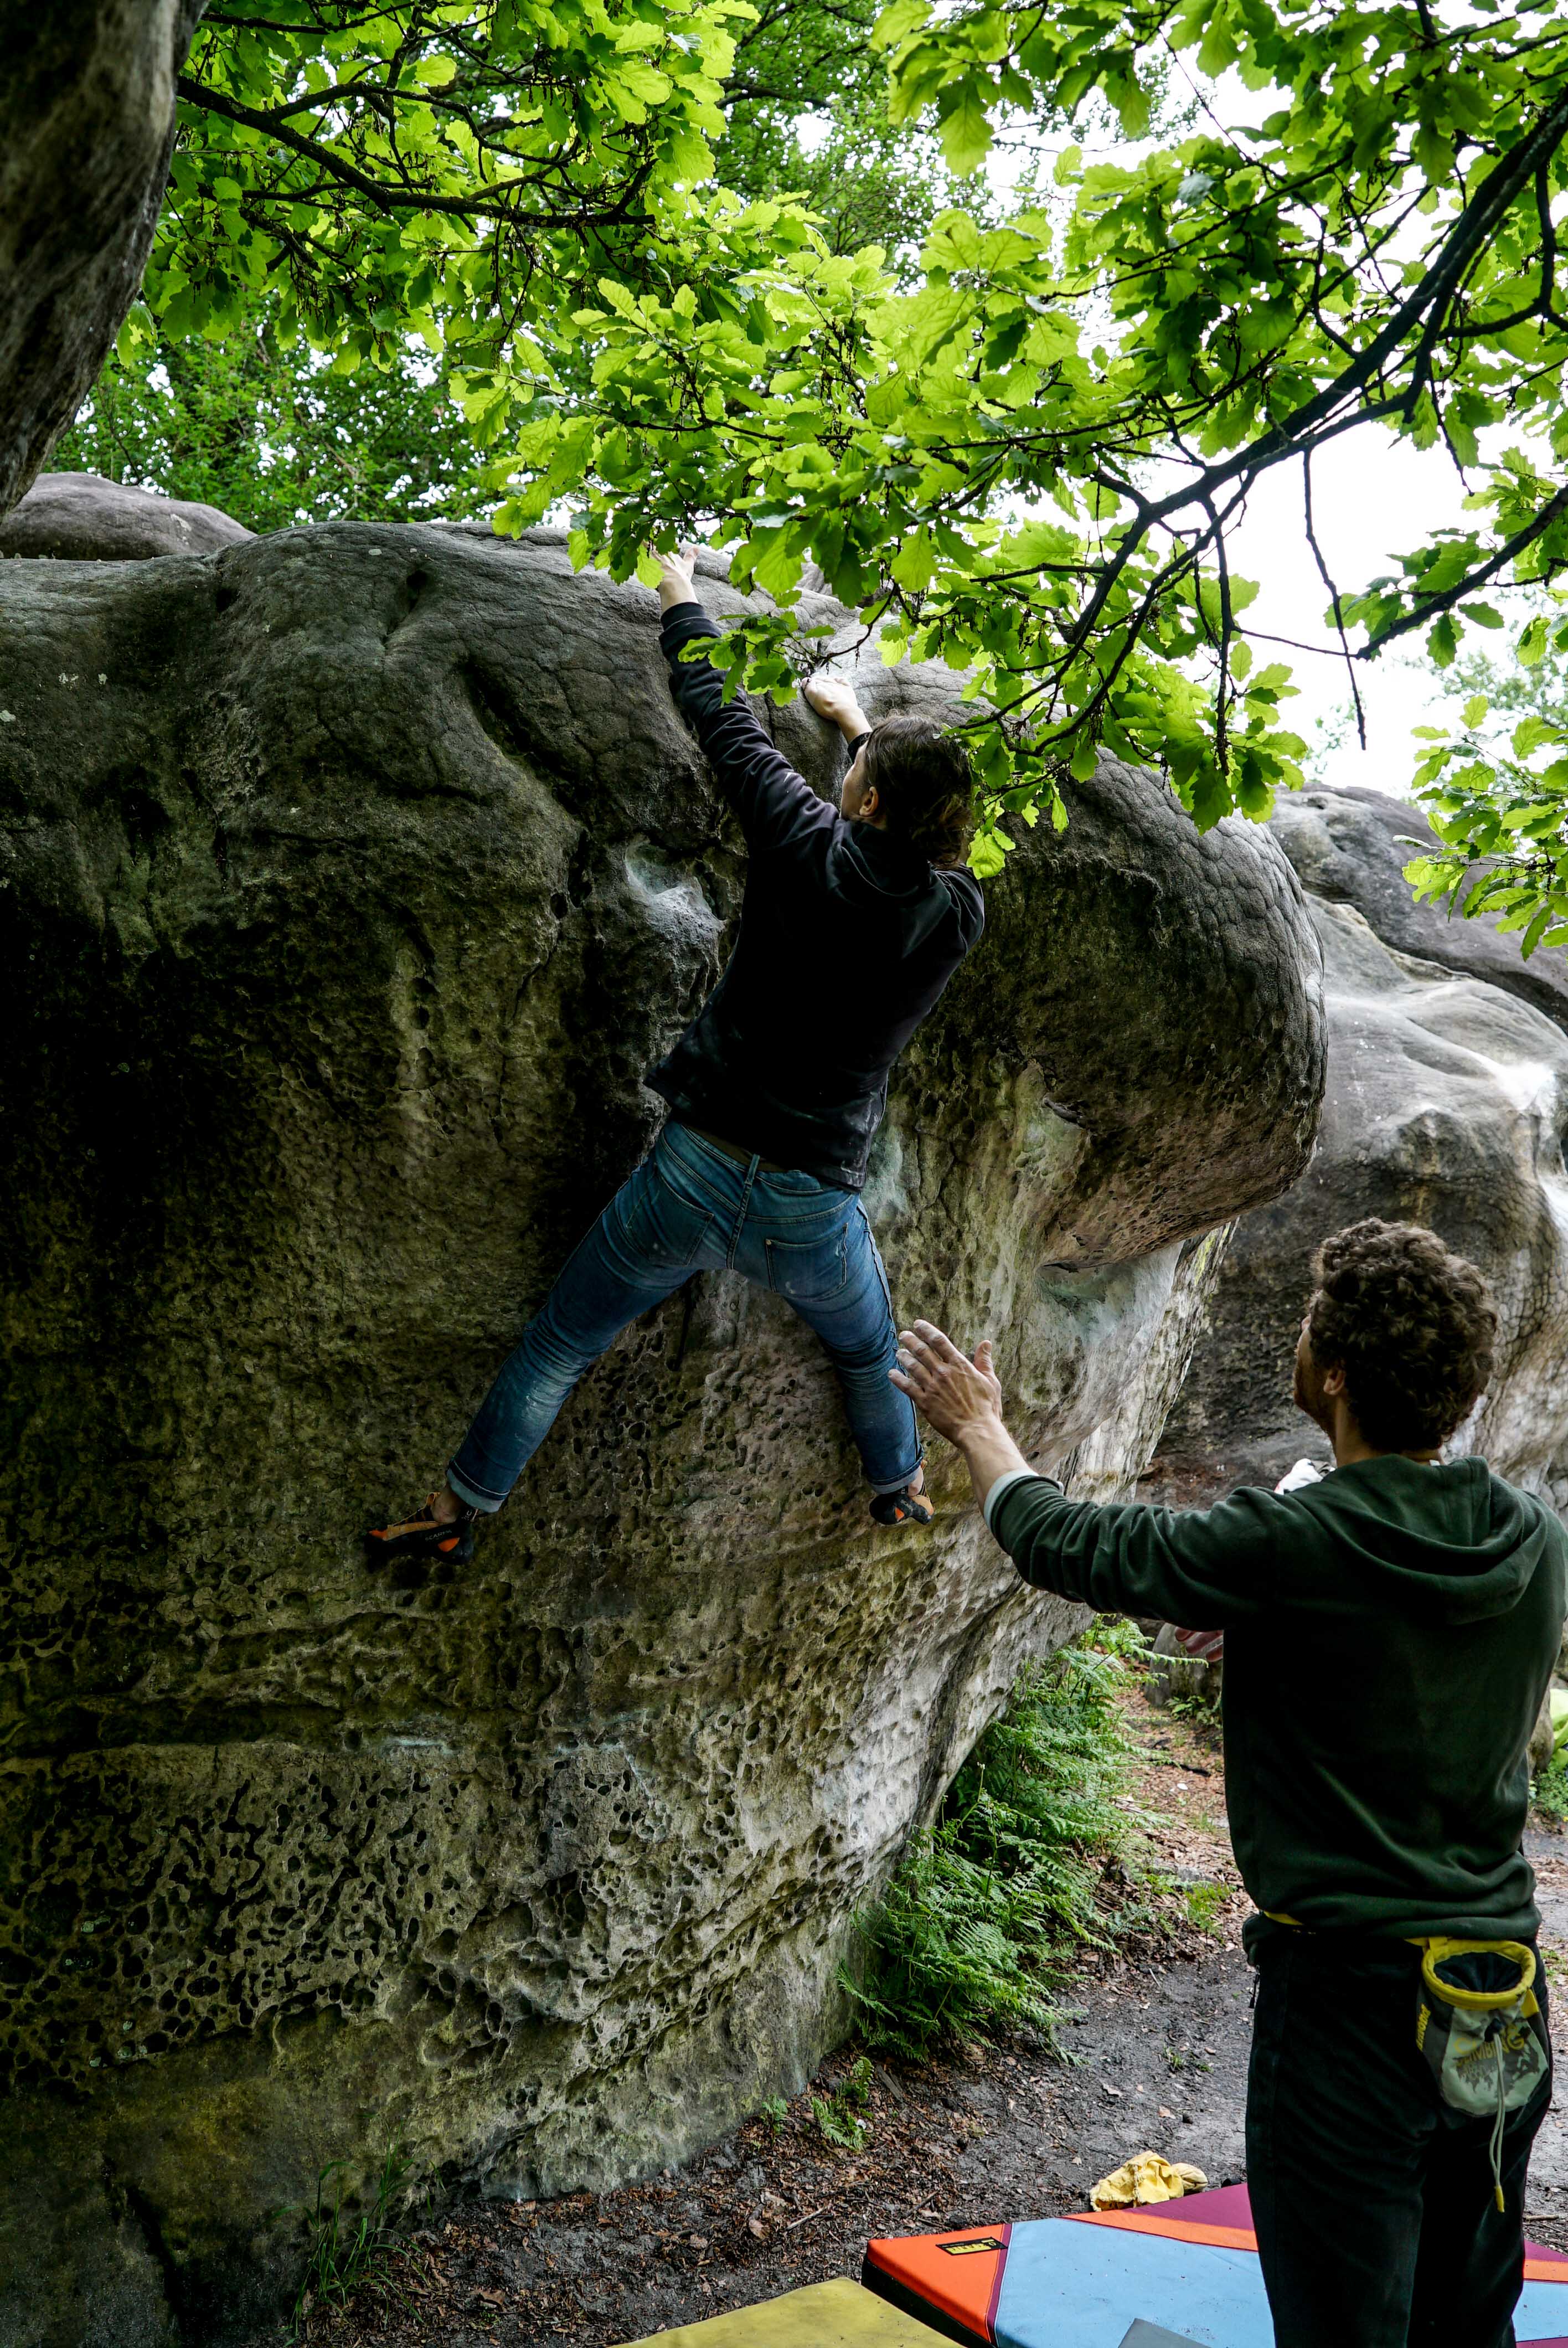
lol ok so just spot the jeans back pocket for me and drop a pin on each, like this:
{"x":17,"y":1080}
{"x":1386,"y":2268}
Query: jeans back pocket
{"x":809,"y":1272}
{"x":662,"y":1231}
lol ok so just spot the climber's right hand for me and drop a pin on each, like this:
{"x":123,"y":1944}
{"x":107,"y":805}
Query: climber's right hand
{"x":832,"y":698}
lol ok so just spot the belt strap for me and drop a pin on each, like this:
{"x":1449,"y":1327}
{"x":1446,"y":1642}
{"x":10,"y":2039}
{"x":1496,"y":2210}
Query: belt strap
{"x":732,"y":1149}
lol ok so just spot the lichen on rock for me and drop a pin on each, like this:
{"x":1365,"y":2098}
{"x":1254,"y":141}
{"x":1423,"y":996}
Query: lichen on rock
{"x":353,"y":876}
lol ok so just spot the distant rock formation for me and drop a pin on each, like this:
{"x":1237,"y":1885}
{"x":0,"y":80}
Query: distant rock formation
{"x":81,"y":518}
{"x":87,"y":128}
{"x":1447,"y":1105}
{"x":1350,"y":848}
{"x":353,"y":876}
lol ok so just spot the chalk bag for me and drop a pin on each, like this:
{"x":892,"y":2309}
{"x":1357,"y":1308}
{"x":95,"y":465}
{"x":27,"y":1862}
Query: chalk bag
{"x":1481,"y":2030}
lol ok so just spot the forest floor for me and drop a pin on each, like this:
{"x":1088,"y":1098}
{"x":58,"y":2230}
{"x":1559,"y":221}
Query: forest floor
{"x":1153,"y":2046}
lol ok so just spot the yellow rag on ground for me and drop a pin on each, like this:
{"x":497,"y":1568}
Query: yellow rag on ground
{"x":1146,"y":2177}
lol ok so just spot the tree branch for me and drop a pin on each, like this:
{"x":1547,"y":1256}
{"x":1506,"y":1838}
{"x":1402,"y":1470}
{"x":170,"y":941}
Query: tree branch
{"x":489,"y":201}
{"x":1434,"y":604}
{"x":1479,"y":222}
{"x":1333,"y":591}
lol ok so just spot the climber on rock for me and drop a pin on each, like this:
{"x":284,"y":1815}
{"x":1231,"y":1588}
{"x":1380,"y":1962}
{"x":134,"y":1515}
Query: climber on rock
{"x":854,"y":918}
{"x":1390,"y":1630}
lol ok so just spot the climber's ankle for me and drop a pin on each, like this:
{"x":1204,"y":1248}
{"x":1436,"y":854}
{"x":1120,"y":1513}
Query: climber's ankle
{"x":445,"y":1504}
{"x":909,"y":1505}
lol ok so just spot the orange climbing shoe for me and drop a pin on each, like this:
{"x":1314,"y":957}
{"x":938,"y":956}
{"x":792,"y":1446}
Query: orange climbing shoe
{"x":453,"y":1538}
{"x":906,"y":1507}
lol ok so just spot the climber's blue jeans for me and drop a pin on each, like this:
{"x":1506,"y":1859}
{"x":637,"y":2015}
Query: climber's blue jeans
{"x":688,"y":1209}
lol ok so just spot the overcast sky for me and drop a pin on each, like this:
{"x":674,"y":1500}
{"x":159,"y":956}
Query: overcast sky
{"x":1373,"y":499}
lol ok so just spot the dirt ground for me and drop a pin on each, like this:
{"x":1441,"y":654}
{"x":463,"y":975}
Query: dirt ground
{"x":1157,"y":2059}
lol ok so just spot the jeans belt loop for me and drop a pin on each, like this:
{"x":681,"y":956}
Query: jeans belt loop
{"x":751,"y":1171}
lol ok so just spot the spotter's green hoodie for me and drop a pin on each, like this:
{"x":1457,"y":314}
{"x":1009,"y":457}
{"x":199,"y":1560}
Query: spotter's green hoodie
{"x":1389,"y":1634}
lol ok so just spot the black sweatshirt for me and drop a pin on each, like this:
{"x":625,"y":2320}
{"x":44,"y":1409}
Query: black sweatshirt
{"x":847,"y":938}
{"x":1389,"y":1634}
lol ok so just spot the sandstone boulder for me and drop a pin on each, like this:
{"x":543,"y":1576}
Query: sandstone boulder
{"x":1447,"y":1105}
{"x":1350,"y":848}
{"x":81,"y":518}
{"x":353,"y":876}
{"x":87,"y":128}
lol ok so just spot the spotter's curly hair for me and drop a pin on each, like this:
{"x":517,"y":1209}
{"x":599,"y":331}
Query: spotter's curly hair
{"x":1411,"y":1325}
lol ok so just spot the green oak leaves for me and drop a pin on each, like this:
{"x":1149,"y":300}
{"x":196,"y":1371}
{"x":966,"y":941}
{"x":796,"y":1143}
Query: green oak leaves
{"x":1024,"y":449}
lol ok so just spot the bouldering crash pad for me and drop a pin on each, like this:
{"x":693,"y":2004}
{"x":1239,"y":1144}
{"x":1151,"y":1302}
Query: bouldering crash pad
{"x":1114,"y":2278}
{"x":837,"y":2314}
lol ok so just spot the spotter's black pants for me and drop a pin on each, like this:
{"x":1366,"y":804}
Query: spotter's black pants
{"x":1377,"y":2224}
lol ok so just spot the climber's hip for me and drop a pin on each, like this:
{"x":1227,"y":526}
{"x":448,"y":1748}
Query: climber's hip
{"x":691,"y":1207}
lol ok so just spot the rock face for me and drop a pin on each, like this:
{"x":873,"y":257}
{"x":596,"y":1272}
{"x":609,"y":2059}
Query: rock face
{"x":1350,"y":848}
{"x":353,"y":876}
{"x":79,"y":518}
{"x":87,"y":126}
{"x":1447,"y":1105}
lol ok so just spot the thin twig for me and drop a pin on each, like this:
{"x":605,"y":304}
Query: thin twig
{"x":1334,"y":592}
{"x":1472,"y":580}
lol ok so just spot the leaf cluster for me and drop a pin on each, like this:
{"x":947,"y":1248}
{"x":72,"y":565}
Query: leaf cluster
{"x":806,"y":114}
{"x":1030,"y":465}
{"x":1026,"y":449}
{"x":271,"y":433}
{"x":1501,"y":807}
{"x":385,"y":168}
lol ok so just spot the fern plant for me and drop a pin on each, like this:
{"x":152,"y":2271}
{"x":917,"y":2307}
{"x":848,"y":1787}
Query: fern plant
{"x":842,"y":2120}
{"x":975,"y":1924}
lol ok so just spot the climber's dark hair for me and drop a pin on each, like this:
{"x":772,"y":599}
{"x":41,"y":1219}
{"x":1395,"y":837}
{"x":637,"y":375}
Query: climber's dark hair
{"x":1411,"y":1325}
{"x":926,"y":786}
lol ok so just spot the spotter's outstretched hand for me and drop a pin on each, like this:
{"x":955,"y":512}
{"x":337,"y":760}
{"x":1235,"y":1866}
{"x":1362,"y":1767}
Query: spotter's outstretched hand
{"x":958,"y":1396}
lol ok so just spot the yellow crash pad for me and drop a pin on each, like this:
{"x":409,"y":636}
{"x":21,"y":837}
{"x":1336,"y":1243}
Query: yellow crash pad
{"x":837,"y":2315}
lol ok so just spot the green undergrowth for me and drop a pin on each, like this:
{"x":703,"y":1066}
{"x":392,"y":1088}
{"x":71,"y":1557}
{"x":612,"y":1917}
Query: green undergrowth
{"x":989,"y":1906}
{"x":1549,"y":1792}
{"x":1204,"y":1902}
{"x":841,"y":2118}
{"x":349,"y":2252}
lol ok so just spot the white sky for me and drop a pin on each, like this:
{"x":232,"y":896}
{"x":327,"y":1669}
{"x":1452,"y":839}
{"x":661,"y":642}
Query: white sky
{"x":1373,"y":499}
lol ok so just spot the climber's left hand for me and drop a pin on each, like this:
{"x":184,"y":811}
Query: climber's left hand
{"x":677,"y":575}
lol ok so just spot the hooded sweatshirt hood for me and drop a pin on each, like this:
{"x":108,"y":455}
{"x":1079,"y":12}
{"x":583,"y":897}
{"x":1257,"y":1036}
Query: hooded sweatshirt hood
{"x":1446,"y":1542}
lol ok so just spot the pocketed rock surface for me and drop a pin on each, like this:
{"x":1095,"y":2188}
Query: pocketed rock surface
{"x":1153,"y":2056}
{"x":1447,"y":1105}
{"x":1156,"y":2053}
{"x":351,"y":878}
